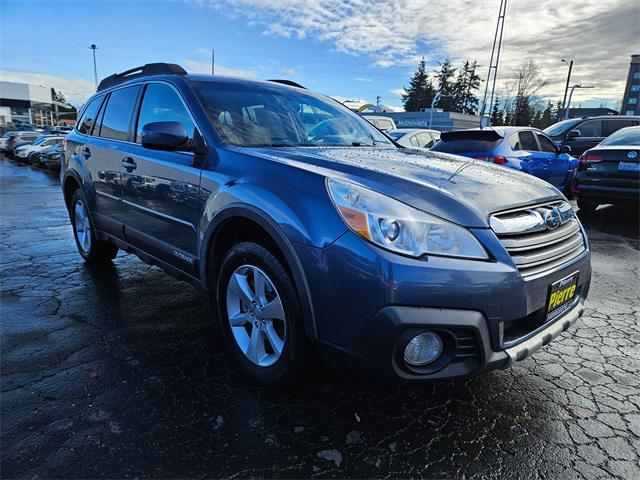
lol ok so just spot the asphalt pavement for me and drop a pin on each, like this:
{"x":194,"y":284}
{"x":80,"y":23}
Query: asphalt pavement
{"x":116,"y":372}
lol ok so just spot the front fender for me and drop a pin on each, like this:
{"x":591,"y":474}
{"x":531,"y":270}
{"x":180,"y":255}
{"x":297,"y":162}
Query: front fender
{"x":250,"y":212}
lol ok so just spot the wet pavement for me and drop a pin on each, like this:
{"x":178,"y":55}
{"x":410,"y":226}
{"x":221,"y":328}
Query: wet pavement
{"x":117,"y":372}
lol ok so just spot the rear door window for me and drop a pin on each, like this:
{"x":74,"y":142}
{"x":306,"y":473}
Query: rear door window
{"x":528,"y":141}
{"x":590,"y":128}
{"x":88,"y":119}
{"x":424,"y":140}
{"x":611,"y":126}
{"x":117,"y":114}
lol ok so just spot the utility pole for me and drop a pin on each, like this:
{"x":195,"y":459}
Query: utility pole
{"x":94,"y":47}
{"x":566,"y":110}
{"x":495,"y":54}
{"x":213,"y":62}
{"x":566,"y":88}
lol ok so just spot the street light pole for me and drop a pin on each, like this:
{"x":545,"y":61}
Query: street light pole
{"x":566,"y":110}
{"x":94,"y":47}
{"x":566,"y":88}
{"x":434,"y":102}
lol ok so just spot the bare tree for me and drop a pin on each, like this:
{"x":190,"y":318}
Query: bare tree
{"x":529,"y":82}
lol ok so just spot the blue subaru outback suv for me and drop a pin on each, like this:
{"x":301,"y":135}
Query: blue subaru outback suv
{"x":308,"y":227}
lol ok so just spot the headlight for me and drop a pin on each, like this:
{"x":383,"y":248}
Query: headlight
{"x":398,"y":227}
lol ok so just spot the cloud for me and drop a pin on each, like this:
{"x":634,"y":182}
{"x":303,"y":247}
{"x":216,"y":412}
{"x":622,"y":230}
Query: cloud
{"x":361,"y":79}
{"x":397,"y":92}
{"x":598,"y":35}
{"x":195,"y":66}
{"x":290,"y":72}
{"x":75,"y":89}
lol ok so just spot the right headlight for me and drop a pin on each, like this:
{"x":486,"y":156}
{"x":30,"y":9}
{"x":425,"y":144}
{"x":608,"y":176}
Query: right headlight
{"x":398,"y":227}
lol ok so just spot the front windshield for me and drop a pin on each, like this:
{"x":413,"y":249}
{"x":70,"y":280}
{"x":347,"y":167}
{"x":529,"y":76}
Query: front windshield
{"x":561,"y":127}
{"x":39,"y":140}
{"x":625,"y":136}
{"x":253,"y":115}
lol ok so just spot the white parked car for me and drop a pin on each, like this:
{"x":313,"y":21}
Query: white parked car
{"x":40,"y":143}
{"x":415,"y":137}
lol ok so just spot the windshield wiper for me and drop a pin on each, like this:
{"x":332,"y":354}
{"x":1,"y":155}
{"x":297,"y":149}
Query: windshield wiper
{"x":363,"y":144}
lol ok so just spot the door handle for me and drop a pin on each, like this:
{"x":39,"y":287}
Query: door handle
{"x":128,"y":164}
{"x":86,"y":153}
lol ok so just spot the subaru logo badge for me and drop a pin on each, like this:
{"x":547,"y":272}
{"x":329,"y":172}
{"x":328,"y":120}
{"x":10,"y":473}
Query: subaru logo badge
{"x":552,"y":218}
{"x":632,"y":154}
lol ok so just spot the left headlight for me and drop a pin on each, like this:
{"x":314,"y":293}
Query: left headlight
{"x":398,"y":227}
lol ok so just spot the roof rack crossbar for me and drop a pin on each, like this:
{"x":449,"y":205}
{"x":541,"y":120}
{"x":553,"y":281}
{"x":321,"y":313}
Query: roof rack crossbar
{"x":287,"y":82}
{"x":148,"y":69}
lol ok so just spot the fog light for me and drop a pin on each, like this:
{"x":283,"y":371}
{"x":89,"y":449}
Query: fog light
{"x":423,"y":349}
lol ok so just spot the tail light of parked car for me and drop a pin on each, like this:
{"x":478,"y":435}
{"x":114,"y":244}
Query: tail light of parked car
{"x":588,"y":158}
{"x":497,"y":159}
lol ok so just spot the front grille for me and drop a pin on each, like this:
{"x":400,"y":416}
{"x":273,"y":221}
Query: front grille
{"x":535,"y":247}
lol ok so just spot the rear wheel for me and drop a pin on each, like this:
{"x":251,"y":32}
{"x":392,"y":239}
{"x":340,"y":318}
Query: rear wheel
{"x":586,"y":207}
{"x":92,"y":250}
{"x":260,"y":314}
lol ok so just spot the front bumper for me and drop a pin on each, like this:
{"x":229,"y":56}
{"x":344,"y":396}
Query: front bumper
{"x":367,"y":302}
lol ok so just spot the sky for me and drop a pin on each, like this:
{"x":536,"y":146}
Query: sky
{"x":349,"y":49}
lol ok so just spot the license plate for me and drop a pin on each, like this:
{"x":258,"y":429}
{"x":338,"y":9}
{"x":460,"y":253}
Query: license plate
{"x":629,"y":167}
{"x":561,"y":295}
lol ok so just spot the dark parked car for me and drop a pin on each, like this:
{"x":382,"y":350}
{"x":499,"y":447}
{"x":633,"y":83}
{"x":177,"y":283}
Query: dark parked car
{"x":521,"y":148}
{"x":610,"y":172}
{"x":48,"y":158}
{"x":581,"y":134}
{"x":412,"y":264}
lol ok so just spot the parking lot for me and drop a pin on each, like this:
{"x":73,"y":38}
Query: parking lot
{"x":117,"y":372}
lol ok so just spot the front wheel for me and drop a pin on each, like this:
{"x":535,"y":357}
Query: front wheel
{"x":586,"y":207}
{"x":92,"y":250}
{"x":260,"y":314}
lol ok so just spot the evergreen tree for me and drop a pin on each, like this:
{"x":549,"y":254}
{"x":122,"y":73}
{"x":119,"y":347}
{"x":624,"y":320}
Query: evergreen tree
{"x":547,"y":116}
{"x":58,"y":96}
{"x":467,"y":82}
{"x":420,"y":92}
{"x":496,"y":114}
{"x":446,"y":85}
{"x":558,"y":112}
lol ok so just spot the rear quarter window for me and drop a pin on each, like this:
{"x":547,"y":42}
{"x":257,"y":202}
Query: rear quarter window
{"x":88,"y":118}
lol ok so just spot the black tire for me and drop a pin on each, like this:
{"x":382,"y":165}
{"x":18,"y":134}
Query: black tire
{"x":586,"y":207}
{"x":293,"y":359}
{"x":98,"y":252}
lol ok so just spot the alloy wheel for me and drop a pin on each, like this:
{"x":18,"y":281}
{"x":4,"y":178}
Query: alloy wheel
{"x":256,"y":315}
{"x":83,"y":227}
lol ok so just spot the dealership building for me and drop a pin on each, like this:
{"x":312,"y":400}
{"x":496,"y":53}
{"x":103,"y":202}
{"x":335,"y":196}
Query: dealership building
{"x":631,"y":99}
{"x":26,"y":103}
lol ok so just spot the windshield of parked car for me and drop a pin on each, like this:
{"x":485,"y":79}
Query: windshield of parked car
{"x":625,"y":136}
{"x":561,"y":127}
{"x":254,"y":115}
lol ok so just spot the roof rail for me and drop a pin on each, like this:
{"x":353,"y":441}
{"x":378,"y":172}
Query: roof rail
{"x":287,"y":82}
{"x":148,"y":69}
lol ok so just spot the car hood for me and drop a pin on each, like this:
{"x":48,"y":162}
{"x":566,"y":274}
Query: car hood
{"x":462,"y":190}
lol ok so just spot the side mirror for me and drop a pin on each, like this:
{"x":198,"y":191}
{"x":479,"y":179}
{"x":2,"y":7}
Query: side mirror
{"x":165,"y":136}
{"x":573,"y":134}
{"x":565,"y":148}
